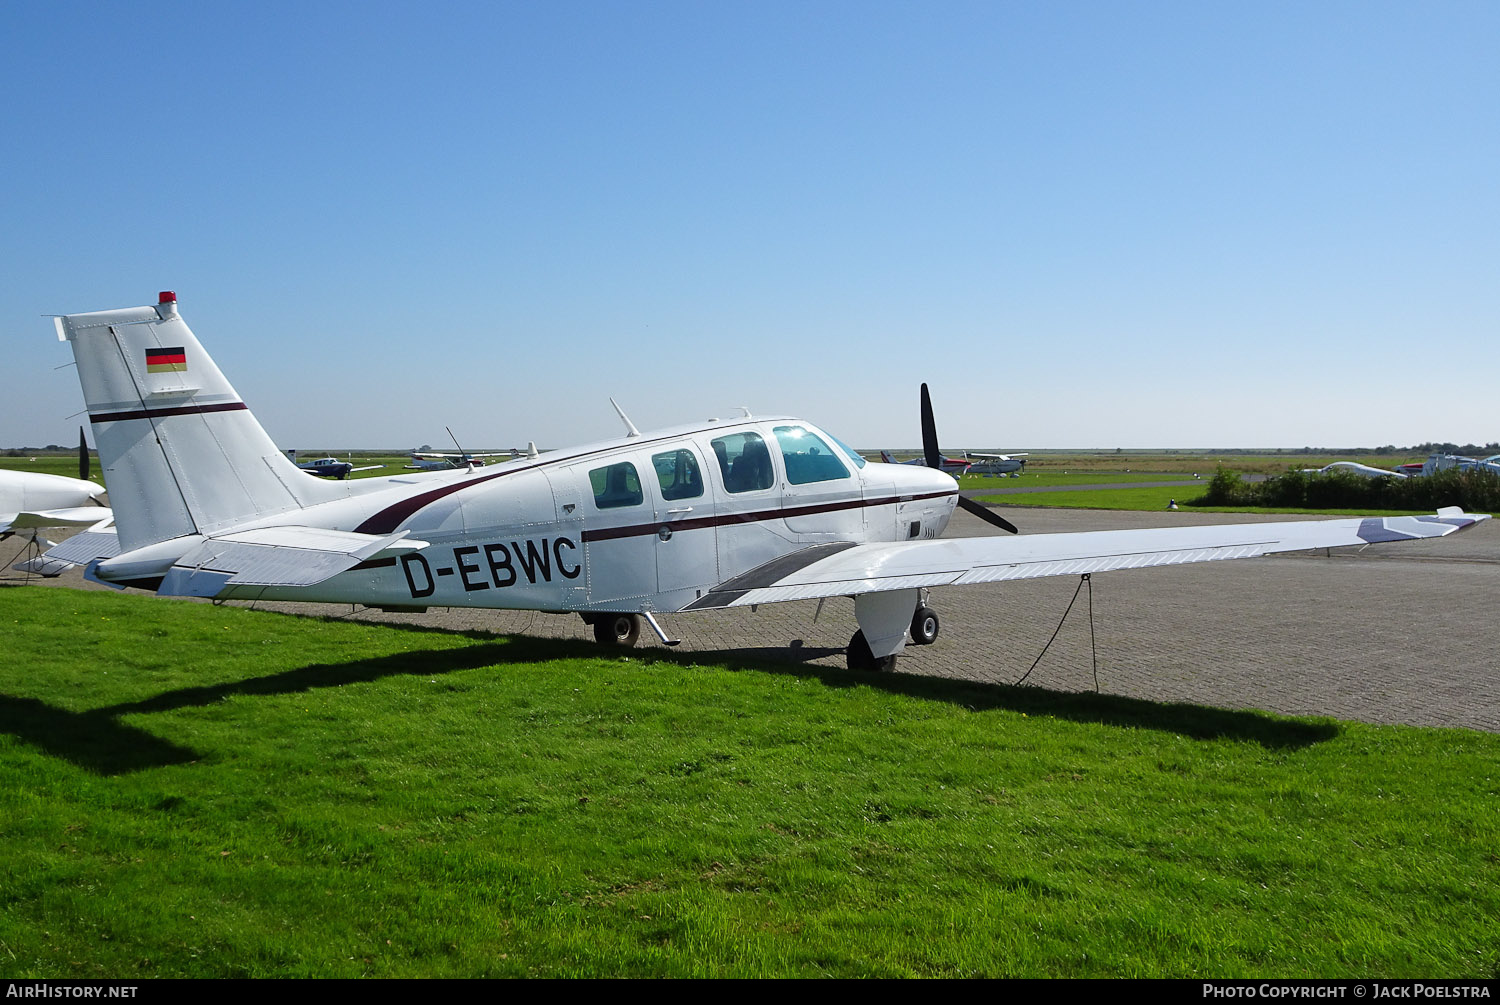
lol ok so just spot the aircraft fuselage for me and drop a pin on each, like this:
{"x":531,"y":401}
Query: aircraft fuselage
{"x":647,"y":523}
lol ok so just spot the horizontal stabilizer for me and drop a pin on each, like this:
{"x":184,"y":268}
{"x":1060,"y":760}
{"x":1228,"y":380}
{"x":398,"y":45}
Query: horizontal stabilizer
{"x":876,"y":568}
{"x":85,"y":546}
{"x":275,"y":556}
{"x":41,"y":565}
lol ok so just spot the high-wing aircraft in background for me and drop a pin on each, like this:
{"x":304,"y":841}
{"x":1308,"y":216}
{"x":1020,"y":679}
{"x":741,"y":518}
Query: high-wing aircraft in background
{"x":31,"y":501}
{"x":997,"y":464}
{"x":426,"y":460}
{"x":954,"y":466}
{"x":719,"y":514}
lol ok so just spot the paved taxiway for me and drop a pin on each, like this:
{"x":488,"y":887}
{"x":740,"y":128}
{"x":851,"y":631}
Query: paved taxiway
{"x":1400,"y":633}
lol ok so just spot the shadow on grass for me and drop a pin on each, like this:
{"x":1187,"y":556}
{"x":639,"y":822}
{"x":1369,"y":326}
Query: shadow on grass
{"x":99,"y":742}
{"x":95,"y":741}
{"x":1201,"y":722}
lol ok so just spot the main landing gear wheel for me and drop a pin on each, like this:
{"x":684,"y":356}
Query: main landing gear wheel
{"x":617,"y":629}
{"x":924,"y":626}
{"x":860,"y":657}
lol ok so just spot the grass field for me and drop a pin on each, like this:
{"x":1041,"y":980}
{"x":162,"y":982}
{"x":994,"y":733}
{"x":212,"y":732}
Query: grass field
{"x":1156,"y":499}
{"x":190,"y":790}
{"x":1048,"y":479}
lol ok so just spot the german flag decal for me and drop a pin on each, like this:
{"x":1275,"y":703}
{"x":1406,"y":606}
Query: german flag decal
{"x":165,"y":360}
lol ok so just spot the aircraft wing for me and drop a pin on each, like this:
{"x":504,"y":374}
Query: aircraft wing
{"x":275,"y":556}
{"x":837,"y":570}
{"x":72,"y":516}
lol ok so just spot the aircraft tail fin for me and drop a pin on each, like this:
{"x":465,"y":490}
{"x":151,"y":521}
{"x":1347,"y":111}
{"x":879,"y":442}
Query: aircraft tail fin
{"x":180,"y":451}
{"x":885,"y":456}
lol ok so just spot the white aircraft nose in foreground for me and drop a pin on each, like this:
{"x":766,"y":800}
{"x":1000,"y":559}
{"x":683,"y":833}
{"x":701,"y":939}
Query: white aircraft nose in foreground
{"x":720,"y":514}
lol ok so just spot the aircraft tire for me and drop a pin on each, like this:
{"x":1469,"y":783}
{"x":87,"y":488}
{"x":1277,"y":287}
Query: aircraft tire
{"x":925,"y":626}
{"x":859,"y":656}
{"x":622,"y":630}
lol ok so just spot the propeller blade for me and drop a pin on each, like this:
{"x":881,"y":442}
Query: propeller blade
{"x":83,"y":457}
{"x":930,"y":451}
{"x":986,"y":514}
{"x":934,"y":459}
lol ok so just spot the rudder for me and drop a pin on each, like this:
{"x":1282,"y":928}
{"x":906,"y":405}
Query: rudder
{"x":180,"y":451}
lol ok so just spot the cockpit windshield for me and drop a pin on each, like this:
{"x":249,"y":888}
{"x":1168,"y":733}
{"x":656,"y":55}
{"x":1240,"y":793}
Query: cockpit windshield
{"x":859,"y":461}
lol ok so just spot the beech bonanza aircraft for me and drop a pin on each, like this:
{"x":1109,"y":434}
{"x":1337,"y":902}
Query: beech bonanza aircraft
{"x":720,"y":514}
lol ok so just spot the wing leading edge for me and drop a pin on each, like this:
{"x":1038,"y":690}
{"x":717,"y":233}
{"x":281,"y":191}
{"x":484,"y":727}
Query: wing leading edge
{"x":876,"y":568}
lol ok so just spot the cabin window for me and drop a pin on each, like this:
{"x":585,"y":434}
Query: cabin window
{"x":744,"y":461}
{"x":807,"y":457}
{"x":677,"y":473}
{"x":616,"y":486}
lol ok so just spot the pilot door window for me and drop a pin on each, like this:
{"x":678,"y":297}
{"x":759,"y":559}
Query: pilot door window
{"x":677,"y":473}
{"x":744,"y":461}
{"x":616,"y":486}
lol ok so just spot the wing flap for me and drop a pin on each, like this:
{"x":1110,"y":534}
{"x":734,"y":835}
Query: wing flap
{"x":275,"y":556}
{"x":873,"y":568}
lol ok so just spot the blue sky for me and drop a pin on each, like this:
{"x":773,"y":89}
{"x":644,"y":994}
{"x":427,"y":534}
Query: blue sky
{"x":1152,"y":224}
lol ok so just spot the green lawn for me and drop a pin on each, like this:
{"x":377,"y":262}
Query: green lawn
{"x":1156,"y":499}
{"x":1048,"y":479}
{"x":191,"y":790}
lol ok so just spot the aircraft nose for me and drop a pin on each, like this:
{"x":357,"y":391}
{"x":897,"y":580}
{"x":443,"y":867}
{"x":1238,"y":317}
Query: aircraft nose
{"x":939,"y":490}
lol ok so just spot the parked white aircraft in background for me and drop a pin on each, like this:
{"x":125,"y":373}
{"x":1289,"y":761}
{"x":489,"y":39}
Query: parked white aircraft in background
{"x":1356,"y":468}
{"x":426,"y":460}
{"x":1442,"y":462}
{"x":721,"y":514}
{"x":31,"y":501}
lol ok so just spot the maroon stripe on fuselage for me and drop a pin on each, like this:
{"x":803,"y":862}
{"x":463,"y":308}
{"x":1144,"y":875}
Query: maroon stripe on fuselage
{"x":757,"y":516}
{"x":157,"y":413}
{"x":390,"y":518}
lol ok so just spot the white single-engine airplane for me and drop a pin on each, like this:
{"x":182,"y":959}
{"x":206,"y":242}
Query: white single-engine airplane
{"x":31,"y":501}
{"x":724,"y":514}
{"x":998,"y":464}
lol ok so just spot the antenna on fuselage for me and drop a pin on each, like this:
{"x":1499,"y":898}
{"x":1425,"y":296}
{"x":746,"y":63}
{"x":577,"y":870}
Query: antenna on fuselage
{"x":462,"y":454}
{"x":630,"y":429}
